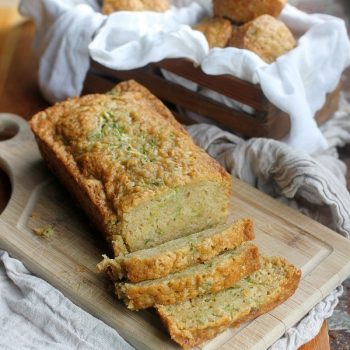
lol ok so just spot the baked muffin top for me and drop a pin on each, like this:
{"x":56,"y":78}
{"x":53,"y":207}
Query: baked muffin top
{"x":110,"y":6}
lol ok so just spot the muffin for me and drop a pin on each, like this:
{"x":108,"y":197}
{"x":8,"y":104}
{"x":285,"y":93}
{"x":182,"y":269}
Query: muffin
{"x":242,"y":11}
{"x":268,"y":37}
{"x":110,"y":6}
{"x":216,"y":30}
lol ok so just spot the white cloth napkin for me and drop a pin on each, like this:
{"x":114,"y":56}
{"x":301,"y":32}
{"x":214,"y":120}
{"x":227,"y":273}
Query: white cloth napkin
{"x":309,"y":326}
{"x":133,"y":39}
{"x":34,"y":315}
{"x":64,"y":31}
{"x":66,"y":38}
{"x":69,"y":33}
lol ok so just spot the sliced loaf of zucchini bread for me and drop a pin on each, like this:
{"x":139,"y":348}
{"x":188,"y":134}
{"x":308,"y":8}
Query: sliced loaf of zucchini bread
{"x":178,"y":254}
{"x":194,"y":321}
{"x":210,"y":277}
{"x":132,"y":167}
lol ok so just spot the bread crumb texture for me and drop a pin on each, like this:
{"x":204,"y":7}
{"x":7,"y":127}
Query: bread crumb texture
{"x":46,"y":231}
{"x":194,"y":321}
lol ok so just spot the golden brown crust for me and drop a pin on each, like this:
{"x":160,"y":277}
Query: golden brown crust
{"x":79,"y":139}
{"x":83,"y":195}
{"x":211,"y":277}
{"x":268,"y":37}
{"x":196,"y":335}
{"x":158,"y":262}
{"x":131,"y":86}
{"x":110,"y":6}
{"x":216,"y":30}
{"x":242,"y":11}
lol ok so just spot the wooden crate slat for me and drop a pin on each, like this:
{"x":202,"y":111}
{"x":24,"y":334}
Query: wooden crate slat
{"x":226,"y":85}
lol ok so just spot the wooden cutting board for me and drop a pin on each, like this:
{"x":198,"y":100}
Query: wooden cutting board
{"x":67,"y":260}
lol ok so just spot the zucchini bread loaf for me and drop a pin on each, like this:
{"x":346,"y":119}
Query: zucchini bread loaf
{"x":194,"y":321}
{"x":132,"y":167}
{"x":178,"y":254}
{"x":210,"y":277}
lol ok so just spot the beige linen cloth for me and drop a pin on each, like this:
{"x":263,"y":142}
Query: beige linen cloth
{"x":315,"y":185}
{"x":35,"y":315}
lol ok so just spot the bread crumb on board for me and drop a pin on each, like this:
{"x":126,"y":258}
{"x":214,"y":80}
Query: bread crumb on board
{"x":81,"y":268}
{"x":46,"y":231}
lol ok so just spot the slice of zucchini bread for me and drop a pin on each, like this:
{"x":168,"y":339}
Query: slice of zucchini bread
{"x":132,"y":167}
{"x":178,"y":254}
{"x":194,"y":321}
{"x":210,"y":277}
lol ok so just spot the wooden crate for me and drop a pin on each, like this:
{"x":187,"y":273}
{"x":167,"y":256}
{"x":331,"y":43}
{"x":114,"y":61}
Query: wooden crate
{"x":268,"y":120}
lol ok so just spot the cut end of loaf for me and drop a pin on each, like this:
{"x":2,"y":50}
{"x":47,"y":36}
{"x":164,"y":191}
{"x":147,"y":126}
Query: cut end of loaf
{"x":177,"y":212}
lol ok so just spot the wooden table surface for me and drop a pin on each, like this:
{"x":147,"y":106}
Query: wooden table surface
{"x":19,"y":94}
